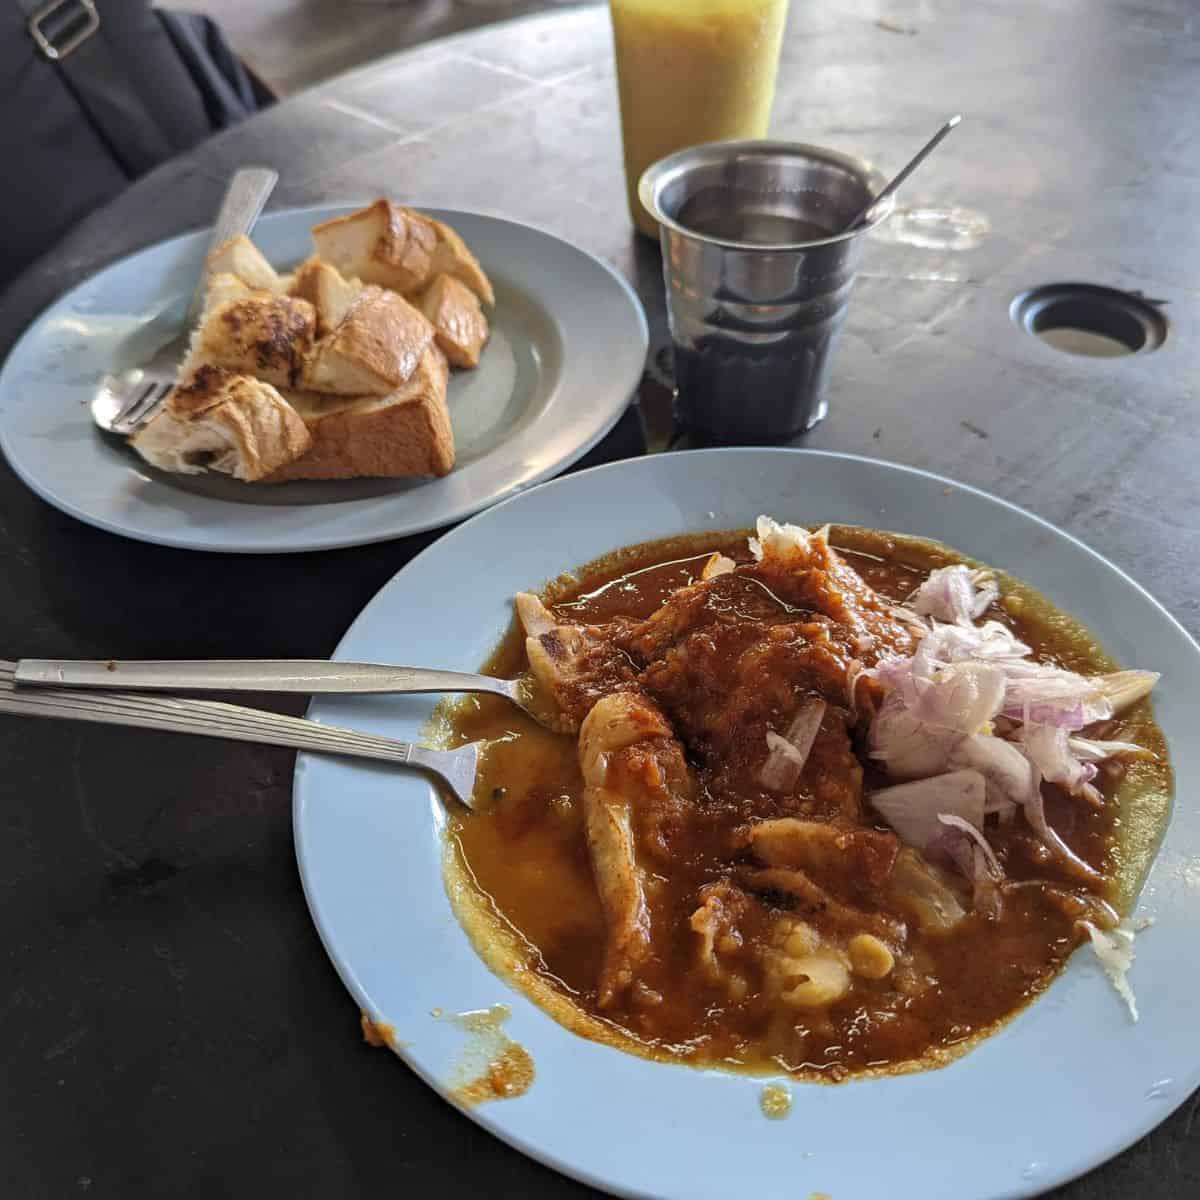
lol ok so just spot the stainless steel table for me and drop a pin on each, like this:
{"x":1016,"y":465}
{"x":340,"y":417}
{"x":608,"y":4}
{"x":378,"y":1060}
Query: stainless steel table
{"x":170,"y":1025}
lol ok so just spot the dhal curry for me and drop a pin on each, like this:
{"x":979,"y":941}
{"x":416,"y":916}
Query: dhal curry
{"x":830,"y":811}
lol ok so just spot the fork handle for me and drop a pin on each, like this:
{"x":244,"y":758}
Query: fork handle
{"x":303,"y":676}
{"x":205,"y":717}
{"x":232,"y":722}
{"x":248,"y":192}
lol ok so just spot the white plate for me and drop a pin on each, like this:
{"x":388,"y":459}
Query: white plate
{"x":1067,"y":1084}
{"x":567,"y":350}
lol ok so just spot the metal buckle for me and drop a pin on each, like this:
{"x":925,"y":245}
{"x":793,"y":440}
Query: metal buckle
{"x":85,"y":13}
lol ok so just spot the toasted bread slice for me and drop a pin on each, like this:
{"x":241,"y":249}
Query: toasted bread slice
{"x":252,"y":333}
{"x":326,"y":290}
{"x":451,"y":257}
{"x":405,"y":434}
{"x":241,"y":257}
{"x":383,"y":244}
{"x":223,"y":287}
{"x":374,"y":349}
{"x":398,"y":248}
{"x":222,"y":421}
{"x":458,"y":322}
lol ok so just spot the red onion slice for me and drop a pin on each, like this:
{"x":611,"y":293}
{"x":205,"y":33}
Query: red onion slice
{"x":787,"y":755}
{"x":1090,"y":750}
{"x":1048,"y":748}
{"x":913,"y":809}
{"x":991,"y":862}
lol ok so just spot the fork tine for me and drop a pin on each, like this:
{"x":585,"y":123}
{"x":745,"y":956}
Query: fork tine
{"x":137,"y":396}
{"x":146,"y":403}
{"x":125,"y":421}
{"x":456,"y":768}
{"x":141,"y":403}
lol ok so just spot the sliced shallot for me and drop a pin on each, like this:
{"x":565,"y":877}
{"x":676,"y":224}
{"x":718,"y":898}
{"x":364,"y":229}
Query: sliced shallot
{"x":787,"y":755}
{"x":913,"y":809}
{"x":955,"y":594}
{"x":1035,"y":814}
{"x":1123,"y":688}
{"x":1090,"y":750}
{"x":1048,"y":748}
{"x":907,"y":747}
{"x":1010,"y":775}
{"x":1114,"y":949}
{"x":963,"y":696}
{"x":976,"y":836}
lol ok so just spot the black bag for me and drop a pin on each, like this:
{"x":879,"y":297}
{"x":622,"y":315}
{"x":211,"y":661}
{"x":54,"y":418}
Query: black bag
{"x":94,"y":93}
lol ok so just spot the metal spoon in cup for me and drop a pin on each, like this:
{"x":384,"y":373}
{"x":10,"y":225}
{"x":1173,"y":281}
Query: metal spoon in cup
{"x":913,"y":163}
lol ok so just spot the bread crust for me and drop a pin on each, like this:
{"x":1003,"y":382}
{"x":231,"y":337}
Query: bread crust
{"x":223,"y":421}
{"x":324,"y":287}
{"x":453,"y":258}
{"x":382,"y":243}
{"x":374,"y":350}
{"x":459,"y":325}
{"x":400,"y":435}
{"x":399,"y":248}
{"x":258,"y":334}
{"x":241,"y":257}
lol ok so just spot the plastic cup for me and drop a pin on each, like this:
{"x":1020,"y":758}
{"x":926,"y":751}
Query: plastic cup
{"x":691,"y":71}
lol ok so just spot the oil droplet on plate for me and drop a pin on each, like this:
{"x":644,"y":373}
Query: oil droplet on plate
{"x":775,"y":1100}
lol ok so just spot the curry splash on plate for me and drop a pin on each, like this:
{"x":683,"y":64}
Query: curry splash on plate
{"x":492,"y":1065}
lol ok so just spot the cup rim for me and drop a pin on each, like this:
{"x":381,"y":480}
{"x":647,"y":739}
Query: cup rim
{"x":656,"y":176}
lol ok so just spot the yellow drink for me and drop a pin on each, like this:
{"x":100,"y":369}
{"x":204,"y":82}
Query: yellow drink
{"x":692,"y":71}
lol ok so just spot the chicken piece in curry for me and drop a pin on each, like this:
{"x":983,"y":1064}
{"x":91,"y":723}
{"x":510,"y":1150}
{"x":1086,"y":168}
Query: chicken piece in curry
{"x":825,"y":810}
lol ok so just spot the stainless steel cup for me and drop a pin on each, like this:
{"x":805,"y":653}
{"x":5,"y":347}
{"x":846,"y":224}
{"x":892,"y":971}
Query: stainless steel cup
{"x":758,"y":277}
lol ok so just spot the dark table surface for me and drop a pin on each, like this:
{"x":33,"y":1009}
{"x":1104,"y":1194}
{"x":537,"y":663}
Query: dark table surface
{"x":170,"y":1023}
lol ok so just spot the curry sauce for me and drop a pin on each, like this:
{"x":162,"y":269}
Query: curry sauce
{"x":522,"y":881}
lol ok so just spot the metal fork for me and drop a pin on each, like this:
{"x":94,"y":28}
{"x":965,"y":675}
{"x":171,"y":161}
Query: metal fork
{"x":124,"y":402}
{"x":210,"y":718}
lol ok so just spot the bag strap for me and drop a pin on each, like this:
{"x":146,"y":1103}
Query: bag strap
{"x":71,"y":35}
{"x":224,"y":85}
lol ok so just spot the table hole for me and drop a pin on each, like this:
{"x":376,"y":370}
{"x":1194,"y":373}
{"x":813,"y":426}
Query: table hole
{"x":1083,"y":318}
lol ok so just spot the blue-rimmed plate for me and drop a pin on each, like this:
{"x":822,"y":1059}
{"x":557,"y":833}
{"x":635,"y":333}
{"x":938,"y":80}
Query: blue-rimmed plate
{"x":1068,"y":1083}
{"x":567,"y":350}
